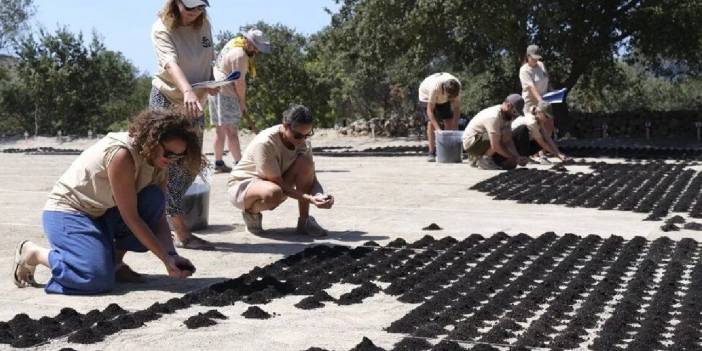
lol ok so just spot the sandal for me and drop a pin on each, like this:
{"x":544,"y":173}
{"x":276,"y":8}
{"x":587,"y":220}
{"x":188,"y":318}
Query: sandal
{"x":194,"y":243}
{"x":125,"y":274}
{"x":22,"y":273}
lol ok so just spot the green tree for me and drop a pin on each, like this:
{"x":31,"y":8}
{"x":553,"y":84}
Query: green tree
{"x":378,"y":44}
{"x":14,"y":15}
{"x":63,"y":84}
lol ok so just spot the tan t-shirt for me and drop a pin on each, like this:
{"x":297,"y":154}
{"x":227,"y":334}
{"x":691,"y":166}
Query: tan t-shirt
{"x":528,"y":120}
{"x":536,"y":76}
{"x":85,"y":187}
{"x":266,"y":154}
{"x":191,"y":49}
{"x":486,"y":121}
{"x":430,"y":90}
{"x":231,"y":59}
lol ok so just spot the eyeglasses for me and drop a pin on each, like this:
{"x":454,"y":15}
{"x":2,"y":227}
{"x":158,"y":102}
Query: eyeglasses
{"x":172,"y":156}
{"x":297,"y":135}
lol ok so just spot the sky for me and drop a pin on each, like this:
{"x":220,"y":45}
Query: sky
{"x":125,"y":26}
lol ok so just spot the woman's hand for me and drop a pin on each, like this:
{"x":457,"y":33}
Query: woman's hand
{"x":177,"y":267}
{"x":192,"y":104}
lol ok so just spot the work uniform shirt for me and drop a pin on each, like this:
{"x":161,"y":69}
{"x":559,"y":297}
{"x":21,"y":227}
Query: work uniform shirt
{"x":85,"y":186}
{"x":486,"y":121}
{"x":231,"y":59}
{"x":267,"y":154}
{"x":528,"y":120}
{"x":188,"y":47}
{"x":536,"y":76}
{"x":431,"y":90}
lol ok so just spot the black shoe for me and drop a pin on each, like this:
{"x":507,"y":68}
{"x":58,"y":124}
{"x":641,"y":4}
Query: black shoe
{"x":221,"y":167}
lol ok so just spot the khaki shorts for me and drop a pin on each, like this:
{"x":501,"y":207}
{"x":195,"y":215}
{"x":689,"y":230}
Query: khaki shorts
{"x":476,"y":145}
{"x":237,"y":193}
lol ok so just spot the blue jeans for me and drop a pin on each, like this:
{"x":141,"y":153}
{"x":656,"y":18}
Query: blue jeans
{"x":82,"y":258}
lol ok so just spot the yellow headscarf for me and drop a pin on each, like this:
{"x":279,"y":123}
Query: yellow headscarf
{"x":240,"y":42}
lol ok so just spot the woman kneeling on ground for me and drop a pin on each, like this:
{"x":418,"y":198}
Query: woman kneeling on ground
{"x":277,"y":164}
{"x":110,"y":201}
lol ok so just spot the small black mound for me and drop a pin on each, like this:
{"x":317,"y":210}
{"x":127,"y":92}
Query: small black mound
{"x":366,"y":345}
{"x":371,"y":243}
{"x":85,"y":336}
{"x":113,"y":310}
{"x":309,"y":303}
{"x":127,"y":321}
{"x":105,"y":328}
{"x":214,"y":314}
{"x":358,"y":294}
{"x":446,"y":345}
{"x":693,"y":226}
{"x":677,"y":219}
{"x":670,"y":227}
{"x":432,"y":226}
{"x":255,"y":312}
{"x":199,"y":321}
{"x":412,"y":344}
{"x":399,"y":242}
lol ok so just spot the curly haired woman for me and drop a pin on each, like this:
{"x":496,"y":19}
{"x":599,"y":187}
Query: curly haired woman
{"x":110,"y":201}
{"x":182,"y":40}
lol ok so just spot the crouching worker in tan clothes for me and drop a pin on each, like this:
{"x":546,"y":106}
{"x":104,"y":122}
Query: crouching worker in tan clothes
{"x":488,"y":136}
{"x":110,"y":201}
{"x":276,"y":165}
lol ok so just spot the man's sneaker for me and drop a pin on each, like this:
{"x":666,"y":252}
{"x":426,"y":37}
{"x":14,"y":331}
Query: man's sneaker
{"x":221,"y":167}
{"x":309,"y":226}
{"x":486,"y":163}
{"x":253,"y":222}
{"x":431,"y":157}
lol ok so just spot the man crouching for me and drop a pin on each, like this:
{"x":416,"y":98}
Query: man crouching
{"x":276,"y":165}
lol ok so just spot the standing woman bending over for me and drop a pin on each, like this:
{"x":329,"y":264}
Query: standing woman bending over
{"x":182,"y":38}
{"x":110,"y":201}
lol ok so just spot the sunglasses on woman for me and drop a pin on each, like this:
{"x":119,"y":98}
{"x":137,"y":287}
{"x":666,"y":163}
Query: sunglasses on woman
{"x":172,"y":156}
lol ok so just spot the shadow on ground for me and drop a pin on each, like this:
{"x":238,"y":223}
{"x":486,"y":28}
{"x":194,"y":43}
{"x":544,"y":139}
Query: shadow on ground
{"x":164,"y":283}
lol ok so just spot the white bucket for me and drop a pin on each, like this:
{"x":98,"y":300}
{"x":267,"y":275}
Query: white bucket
{"x":449,"y":146}
{"x":196,"y":204}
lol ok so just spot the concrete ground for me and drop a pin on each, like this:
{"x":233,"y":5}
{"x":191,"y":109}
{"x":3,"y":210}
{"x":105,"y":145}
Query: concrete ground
{"x":376,"y":199}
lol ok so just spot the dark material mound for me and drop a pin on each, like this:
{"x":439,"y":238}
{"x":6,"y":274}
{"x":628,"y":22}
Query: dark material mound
{"x":255,"y":312}
{"x":446,"y":345}
{"x":358,"y":294}
{"x":670,"y":227}
{"x":494,"y":289}
{"x":432,"y":226}
{"x":366,"y":345}
{"x":371,"y":243}
{"x":113,"y":310}
{"x":559,"y":167}
{"x":316,"y":349}
{"x":676,"y":220}
{"x":693,"y":226}
{"x":214,"y":314}
{"x":105,"y":328}
{"x":127,"y":321}
{"x":656,"y":188}
{"x":85,"y":336}
{"x":309,"y":303}
{"x":412,"y":344}
{"x":199,"y":321}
